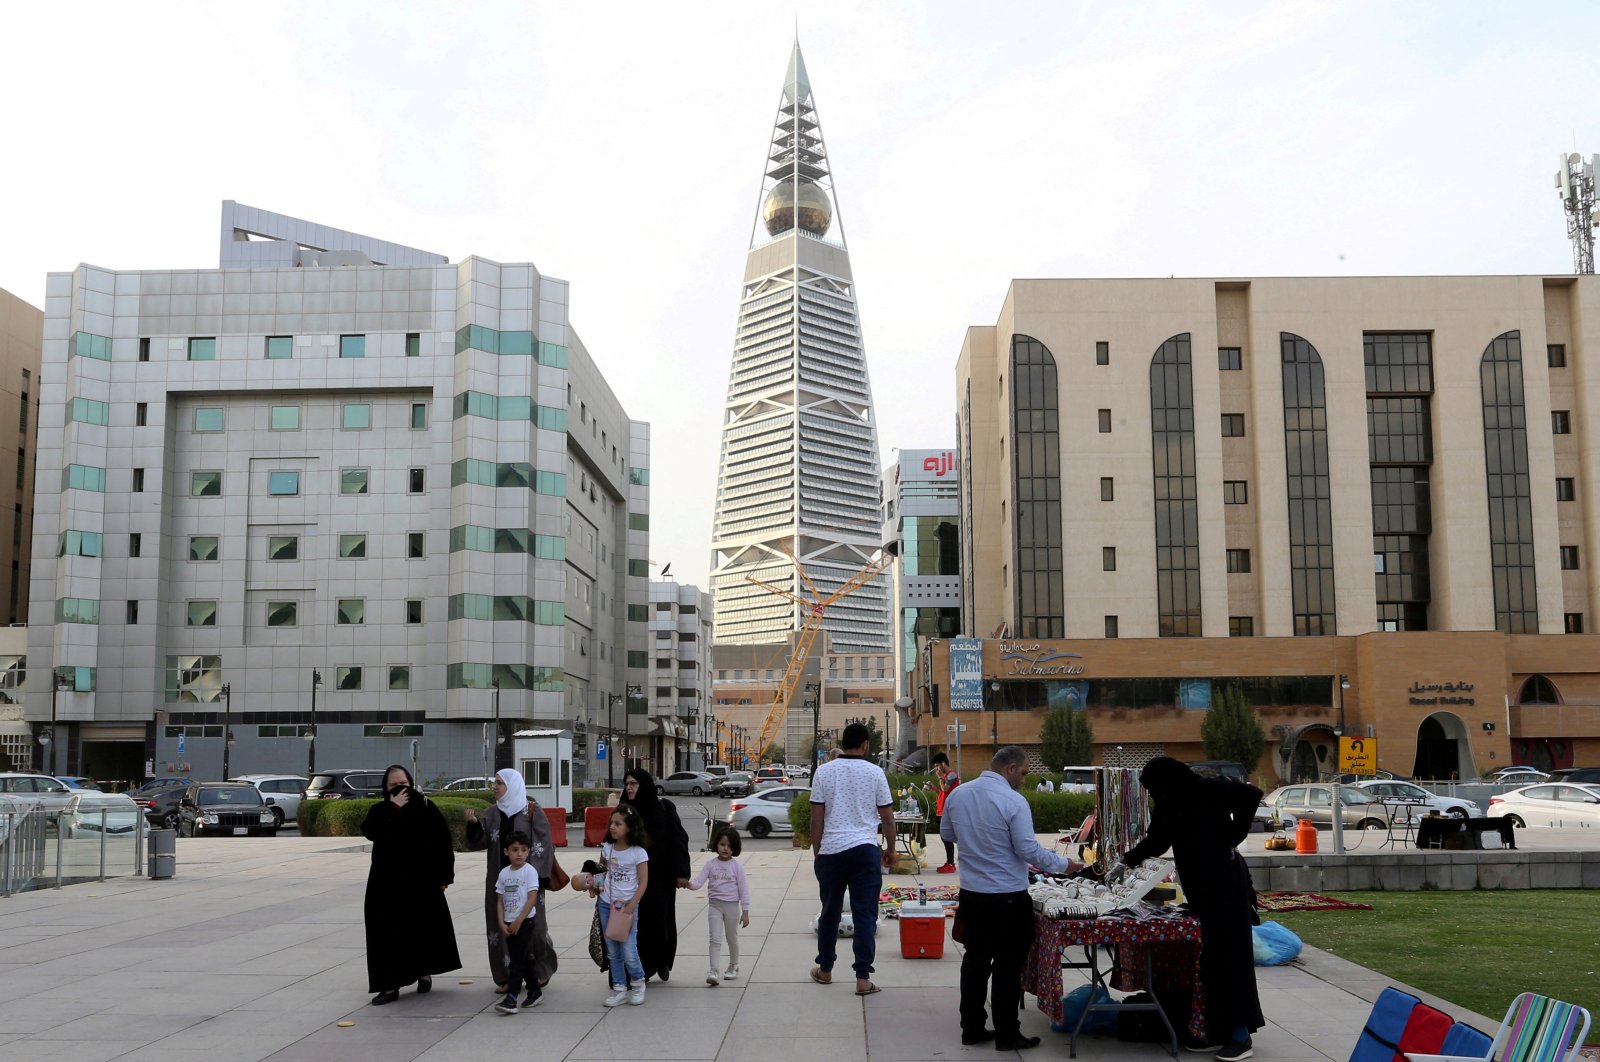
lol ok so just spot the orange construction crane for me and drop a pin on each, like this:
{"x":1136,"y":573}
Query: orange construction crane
{"x":815,"y":608}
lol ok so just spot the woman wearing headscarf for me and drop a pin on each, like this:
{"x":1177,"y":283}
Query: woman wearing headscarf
{"x":669,"y":851}
{"x":513,"y":812}
{"x":409,"y":933}
{"x":1203,"y":821}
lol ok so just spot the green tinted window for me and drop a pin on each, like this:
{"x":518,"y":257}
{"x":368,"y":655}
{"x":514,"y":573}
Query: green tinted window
{"x":549,"y":547}
{"x":88,"y":411}
{"x":356,"y":416}
{"x":202,"y":613}
{"x":283,"y":547}
{"x":80,"y":544}
{"x":550,"y":418}
{"x":352,"y":346}
{"x":283,"y":614}
{"x":353,"y":480}
{"x":471,"y":607}
{"x":638,"y":658}
{"x":352,"y":547}
{"x":639,"y":568}
{"x":550,"y":613}
{"x":280,"y":347}
{"x":283,"y":483}
{"x":638,"y":521}
{"x":638,"y":613}
{"x":85,"y":477}
{"x":552,"y":483}
{"x":352,"y":611}
{"x":85,"y":345}
{"x":413,"y":350}
{"x":400,"y":676}
{"x":553,"y":355}
{"x":203,"y":349}
{"x":205,"y":484}
{"x":208,"y":418}
{"x":639,"y":477}
{"x":513,"y":474}
{"x":285,"y":418}
{"x":203,"y":547}
{"x":347,"y":678}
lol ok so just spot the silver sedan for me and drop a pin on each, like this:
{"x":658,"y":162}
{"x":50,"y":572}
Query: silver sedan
{"x":694,"y":783}
{"x":765,"y":811}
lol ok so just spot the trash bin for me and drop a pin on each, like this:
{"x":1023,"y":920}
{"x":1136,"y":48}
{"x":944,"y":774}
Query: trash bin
{"x":163,"y":853}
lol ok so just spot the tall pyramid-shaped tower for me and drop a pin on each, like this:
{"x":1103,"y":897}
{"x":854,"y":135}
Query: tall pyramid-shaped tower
{"x":799,"y":463}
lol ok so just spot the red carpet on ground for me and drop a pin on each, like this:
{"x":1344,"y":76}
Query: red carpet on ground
{"x":1305,"y":901}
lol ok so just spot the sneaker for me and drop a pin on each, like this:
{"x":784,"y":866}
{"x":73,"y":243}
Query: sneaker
{"x":636,"y":993}
{"x":507,"y":1005}
{"x":713,"y":978}
{"x":948,"y":868}
{"x":1199,"y":1047}
{"x":535,"y":997}
{"x":730,"y":974}
{"x":618,"y":996}
{"x":1236,"y":1050}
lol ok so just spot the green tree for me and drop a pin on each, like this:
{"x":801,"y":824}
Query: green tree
{"x":1231,"y":730}
{"x":1065,"y":739}
{"x":809,"y":747}
{"x":1080,"y":748}
{"x":773,"y":753}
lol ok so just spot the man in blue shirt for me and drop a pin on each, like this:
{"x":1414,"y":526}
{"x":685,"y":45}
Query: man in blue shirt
{"x":992,"y":826}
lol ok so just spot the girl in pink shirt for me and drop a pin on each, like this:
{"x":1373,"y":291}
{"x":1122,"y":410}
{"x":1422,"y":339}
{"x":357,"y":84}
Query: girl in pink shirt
{"x":728,"y":897}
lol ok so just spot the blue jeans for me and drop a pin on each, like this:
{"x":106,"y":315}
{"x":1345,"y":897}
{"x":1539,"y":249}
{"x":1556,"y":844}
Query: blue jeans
{"x":860,"y":870}
{"x":624,"y":954}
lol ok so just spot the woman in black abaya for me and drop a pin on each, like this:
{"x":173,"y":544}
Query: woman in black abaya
{"x":669,"y":851}
{"x":1203,"y":821}
{"x":409,"y":934}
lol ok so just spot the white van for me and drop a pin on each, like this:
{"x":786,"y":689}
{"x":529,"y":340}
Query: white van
{"x":1078,"y":779}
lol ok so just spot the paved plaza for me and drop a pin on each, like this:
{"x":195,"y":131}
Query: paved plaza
{"x":255,"y":951}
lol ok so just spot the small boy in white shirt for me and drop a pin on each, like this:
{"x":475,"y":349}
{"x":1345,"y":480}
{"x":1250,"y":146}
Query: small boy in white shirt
{"x":518,"y":888}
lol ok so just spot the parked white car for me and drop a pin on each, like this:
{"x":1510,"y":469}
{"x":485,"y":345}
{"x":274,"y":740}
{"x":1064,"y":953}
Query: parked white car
{"x":89,"y":813}
{"x":283,"y":791}
{"x":766,"y":811}
{"x":1549,"y":804}
{"x":1394,"y":792}
{"x":463,"y":784}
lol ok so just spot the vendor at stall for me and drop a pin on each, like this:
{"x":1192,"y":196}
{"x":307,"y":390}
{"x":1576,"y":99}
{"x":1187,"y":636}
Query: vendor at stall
{"x":992,"y":825}
{"x":1203,"y":821}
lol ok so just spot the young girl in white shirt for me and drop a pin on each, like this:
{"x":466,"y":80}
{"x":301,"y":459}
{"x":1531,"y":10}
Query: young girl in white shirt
{"x":627,"y":872}
{"x":728,"y":900}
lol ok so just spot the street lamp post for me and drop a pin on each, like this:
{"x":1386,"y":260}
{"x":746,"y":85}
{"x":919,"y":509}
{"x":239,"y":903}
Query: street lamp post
{"x":50,"y":740}
{"x":311,"y":735}
{"x":227,"y":725}
{"x":1344,"y":684}
{"x":815,"y":689}
{"x":611,"y":739}
{"x":994,"y":713}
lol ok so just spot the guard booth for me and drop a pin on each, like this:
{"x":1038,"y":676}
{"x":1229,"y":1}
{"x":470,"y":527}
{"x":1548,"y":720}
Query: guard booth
{"x":545,"y":759}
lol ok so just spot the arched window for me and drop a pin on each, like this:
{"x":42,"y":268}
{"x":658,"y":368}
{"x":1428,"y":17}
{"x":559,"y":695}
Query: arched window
{"x":1305,"y":445}
{"x":1036,"y":483}
{"x":1505,"y":446}
{"x":1177,"y":507}
{"x":1538,"y":690}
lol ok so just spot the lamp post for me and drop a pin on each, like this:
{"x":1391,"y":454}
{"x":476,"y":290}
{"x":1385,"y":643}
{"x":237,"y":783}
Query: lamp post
{"x":611,"y":739}
{"x":1344,"y":684}
{"x":227,"y":725}
{"x":815,"y":689}
{"x":311,"y":735}
{"x":499,"y":737}
{"x":48,"y":742}
{"x":994,"y":713}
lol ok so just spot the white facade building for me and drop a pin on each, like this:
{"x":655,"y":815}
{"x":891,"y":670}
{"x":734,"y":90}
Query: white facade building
{"x":679,"y":689}
{"x":408,"y":480}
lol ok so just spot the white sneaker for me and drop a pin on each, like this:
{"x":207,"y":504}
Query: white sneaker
{"x":731,"y":973}
{"x":618,"y":996}
{"x":713,"y":978}
{"x":636,"y":993}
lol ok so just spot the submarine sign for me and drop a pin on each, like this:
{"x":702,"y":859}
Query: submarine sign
{"x":1023,"y":659}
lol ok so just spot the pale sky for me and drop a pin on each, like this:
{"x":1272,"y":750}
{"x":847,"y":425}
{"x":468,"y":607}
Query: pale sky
{"x":620,"y":146}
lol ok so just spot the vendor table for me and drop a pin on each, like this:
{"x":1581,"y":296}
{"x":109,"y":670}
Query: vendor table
{"x":1145,"y":952}
{"x":1431,"y":830}
{"x":911,"y":832}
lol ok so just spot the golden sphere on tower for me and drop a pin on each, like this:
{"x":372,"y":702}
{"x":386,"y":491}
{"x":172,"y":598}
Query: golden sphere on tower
{"x":816,"y":213}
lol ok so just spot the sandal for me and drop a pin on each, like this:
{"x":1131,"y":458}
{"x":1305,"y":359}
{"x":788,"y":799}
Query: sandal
{"x":821,"y":976}
{"x":871,"y":989}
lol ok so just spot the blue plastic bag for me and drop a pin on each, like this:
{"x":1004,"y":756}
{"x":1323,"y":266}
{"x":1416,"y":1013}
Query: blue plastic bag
{"x":1100,"y":1022}
{"x":1274,"y":943}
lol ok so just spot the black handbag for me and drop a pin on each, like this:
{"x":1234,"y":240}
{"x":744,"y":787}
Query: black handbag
{"x":597,"y":942}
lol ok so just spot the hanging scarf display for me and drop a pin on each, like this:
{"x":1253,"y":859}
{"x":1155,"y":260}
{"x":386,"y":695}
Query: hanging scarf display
{"x":1122,"y":809}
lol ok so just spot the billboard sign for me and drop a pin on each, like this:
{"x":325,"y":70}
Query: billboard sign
{"x":966,"y":675}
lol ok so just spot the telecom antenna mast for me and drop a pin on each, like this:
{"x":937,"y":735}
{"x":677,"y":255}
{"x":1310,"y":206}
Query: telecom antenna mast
{"x":1575,"y":185}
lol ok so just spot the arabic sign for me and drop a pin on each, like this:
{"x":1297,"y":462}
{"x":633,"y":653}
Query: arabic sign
{"x":1030,"y":659}
{"x":1442,"y":693}
{"x":927,"y":465}
{"x":1358,"y":755}
{"x":966,"y":675}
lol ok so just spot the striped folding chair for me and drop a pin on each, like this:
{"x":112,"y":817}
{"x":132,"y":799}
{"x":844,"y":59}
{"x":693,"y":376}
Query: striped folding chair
{"x":1536,"y":1029}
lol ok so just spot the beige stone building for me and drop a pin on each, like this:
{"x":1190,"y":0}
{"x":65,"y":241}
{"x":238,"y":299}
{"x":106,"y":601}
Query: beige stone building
{"x":1388,"y":480}
{"x":21,"y":333}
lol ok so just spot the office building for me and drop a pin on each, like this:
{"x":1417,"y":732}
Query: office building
{"x":1370,"y":503}
{"x":21,"y":332}
{"x":351,"y":500}
{"x":799,"y":462}
{"x":678,"y":693}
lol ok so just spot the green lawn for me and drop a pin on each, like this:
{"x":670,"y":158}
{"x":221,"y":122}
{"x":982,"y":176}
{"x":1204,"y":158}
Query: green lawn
{"x":1476,"y":949}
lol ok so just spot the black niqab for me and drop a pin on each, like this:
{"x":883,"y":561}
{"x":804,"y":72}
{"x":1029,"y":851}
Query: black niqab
{"x":669,"y":860}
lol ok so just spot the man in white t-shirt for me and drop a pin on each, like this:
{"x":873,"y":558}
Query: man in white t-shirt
{"x":850,"y":802}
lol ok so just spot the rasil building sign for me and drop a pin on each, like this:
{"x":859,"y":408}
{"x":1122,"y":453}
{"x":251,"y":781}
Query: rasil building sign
{"x":1426,"y":693}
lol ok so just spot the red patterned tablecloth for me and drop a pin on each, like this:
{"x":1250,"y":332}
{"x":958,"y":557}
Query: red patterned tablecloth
{"x":1174,"y":949}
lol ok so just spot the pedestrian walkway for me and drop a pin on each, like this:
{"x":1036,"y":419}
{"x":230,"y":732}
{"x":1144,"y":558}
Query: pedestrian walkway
{"x":255,"y":951}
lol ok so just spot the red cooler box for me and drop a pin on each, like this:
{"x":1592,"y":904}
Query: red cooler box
{"x":921,"y":931}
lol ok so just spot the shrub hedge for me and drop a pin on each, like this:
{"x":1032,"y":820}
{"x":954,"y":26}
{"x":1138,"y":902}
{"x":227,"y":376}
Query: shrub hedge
{"x":588,"y":798}
{"x":800,"y":819}
{"x":343,"y":818}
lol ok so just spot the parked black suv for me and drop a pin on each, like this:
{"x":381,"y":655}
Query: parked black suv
{"x":346,"y":784}
{"x":1583,"y":775}
{"x":224,"y":809}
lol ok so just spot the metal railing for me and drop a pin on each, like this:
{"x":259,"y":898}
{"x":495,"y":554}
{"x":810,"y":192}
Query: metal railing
{"x":31,"y":837}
